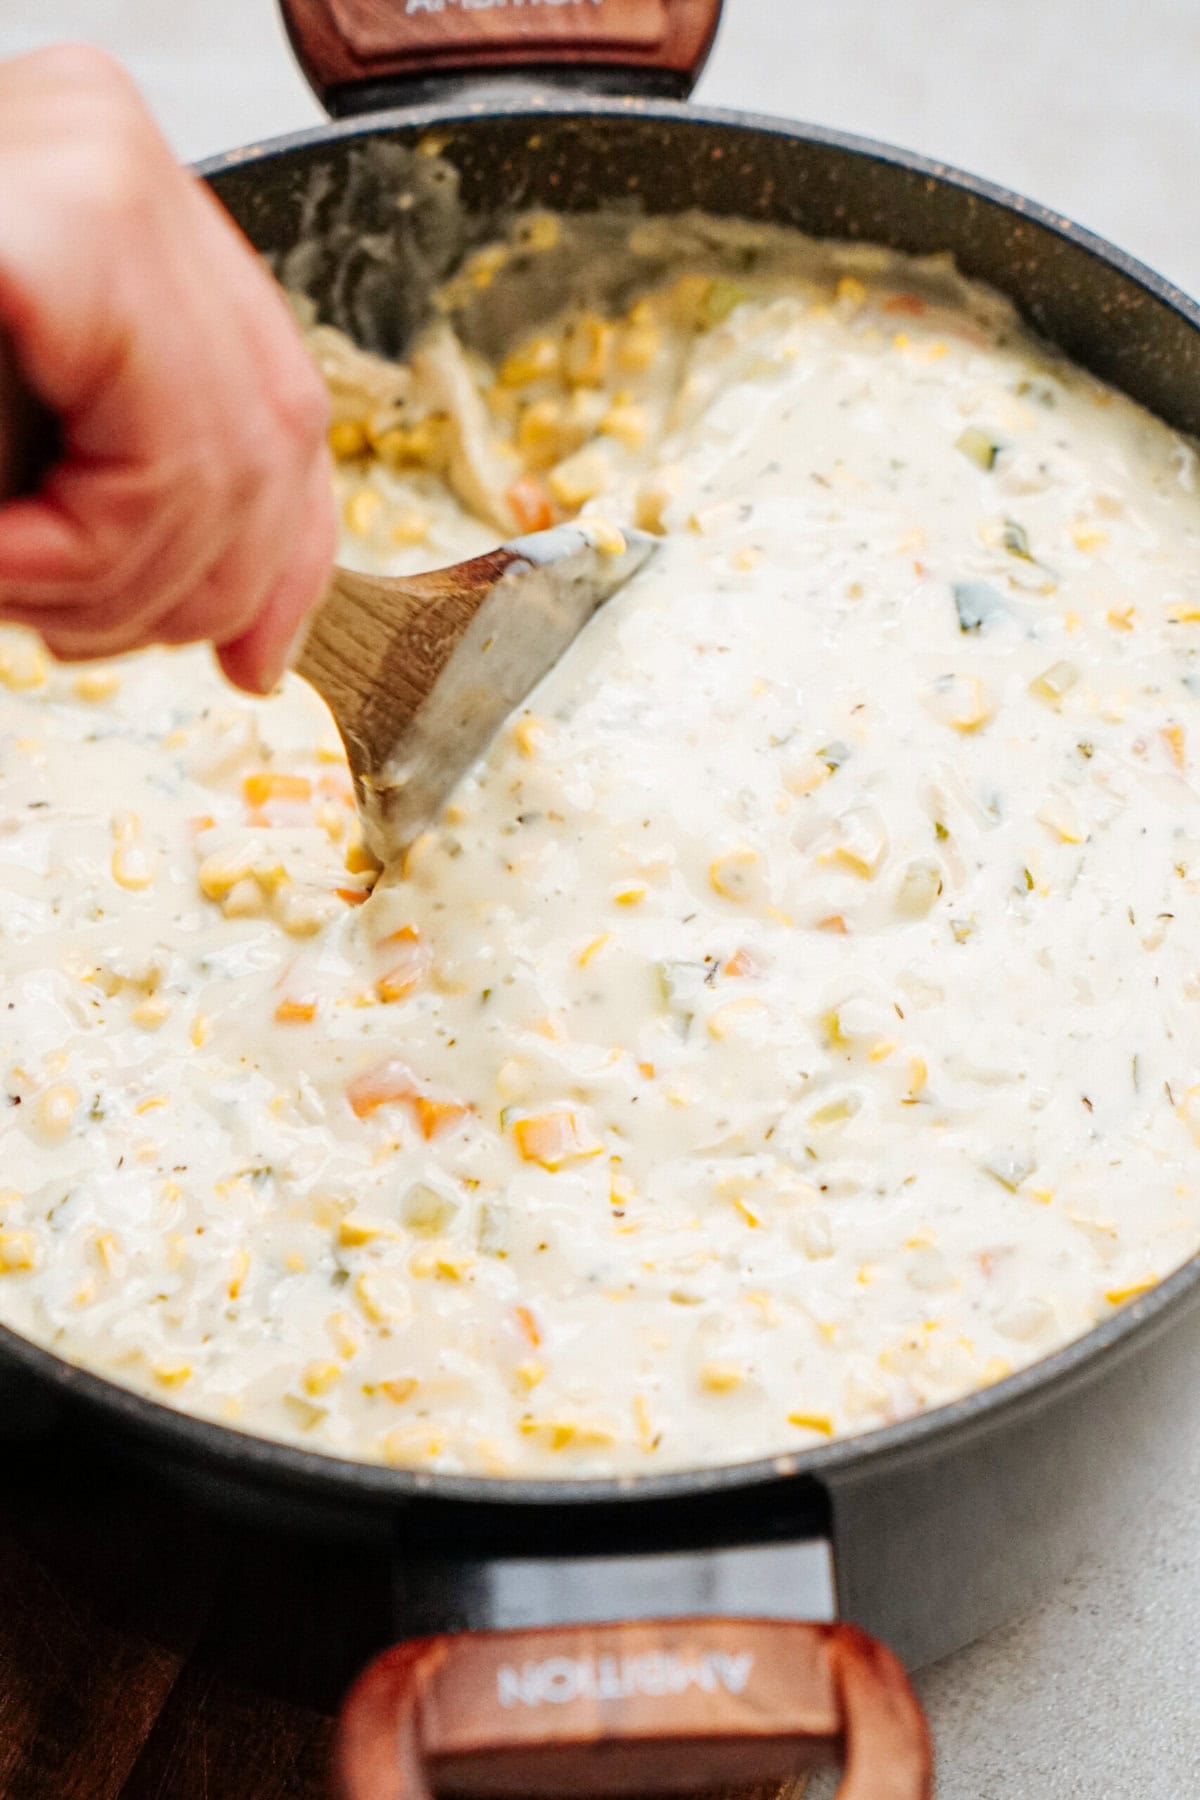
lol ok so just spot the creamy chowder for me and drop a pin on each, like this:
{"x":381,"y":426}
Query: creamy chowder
{"x":790,"y":1025}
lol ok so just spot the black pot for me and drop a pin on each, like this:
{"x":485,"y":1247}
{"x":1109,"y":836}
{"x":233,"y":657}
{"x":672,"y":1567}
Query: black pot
{"x":927,"y":1534}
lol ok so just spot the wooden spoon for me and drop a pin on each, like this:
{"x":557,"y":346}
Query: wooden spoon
{"x":420,"y":672}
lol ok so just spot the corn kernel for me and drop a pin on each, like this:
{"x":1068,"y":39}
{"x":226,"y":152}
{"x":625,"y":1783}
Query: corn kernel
{"x":172,"y":1373}
{"x":1121,"y":618}
{"x":1054,"y":683}
{"x":265,"y":785}
{"x":132,"y":867}
{"x":539,"y":359}
{"x":606,"y":537}
{"x":347,"y":440}
{"x":529,"y":1374}
{"x":399,"y":1388}
{"x":151,"y":1013}
{"x":581,"y":477}
{"x":412,"y":1446}
{"x":23,"y":665}
{"x":18,"y":1252}
{"x":357,"y":1229}
{"x":55,"y":1111}
{"x":303,"y":915}
{"x":1058,"y":819}
{"x":108,"y":1251}
{"x":722,"y":1377}
{"x":726,"y":1021}
{"x":962,"y":701}
{"x":384,"y":1302}
{"x":361,"y":511}
{"x":806,"y":775}
{"x":482,"y":269}
{"x":541,"y":230}
{"x":731,"y":874}
{"x":1087,"y":537}
{"x":345,"y":1335}
{"x":821,"y":1423}
{"x":359,"y":860}
{"x":96,"y":684}
{"x":629,"y":424}
{"x":528,"y":733}
{"x":319,"y":1377}
{"x":1173,"y":738}
{"x":1189,"y":1111}
{"x":638,"y":347}
{"x":1120,"y":1296}
{"x":541,"y":433}
{"x":565,"y":1434}
{"x":586,"y":350}
{"x":245,"y":900}
{"x":862,"y":842}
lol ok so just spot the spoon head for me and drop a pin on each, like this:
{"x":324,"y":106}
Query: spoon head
{"x":548,"y":586}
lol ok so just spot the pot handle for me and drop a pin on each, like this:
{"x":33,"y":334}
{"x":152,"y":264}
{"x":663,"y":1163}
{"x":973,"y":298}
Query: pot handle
{"x":668,"y":1707}
{"x":373,"y":44}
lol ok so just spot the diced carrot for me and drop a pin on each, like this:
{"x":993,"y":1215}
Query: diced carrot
{"x":554,"y":1139}
{"x":295,"y":1012}
{"x":407,"y":934}
{"x":274,"y":784}
{"x":834,"y":923}
{"x":383,"y":1085}
{"x":646,"y":1069}
{"x":532,"y":506}
{"x":740,"y":963}
{"x":527,"y":1325}
{"x":410,"y":968}
{"x":203,"y":822}
{"x":398,"y":983}
{"x":352,"y":896}
{"x":393,"y":1083}
{"x":911,"y":305}
{"x":435,"y":1115}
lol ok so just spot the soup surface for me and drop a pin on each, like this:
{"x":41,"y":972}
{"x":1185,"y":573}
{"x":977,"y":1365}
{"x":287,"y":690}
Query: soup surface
{"x":790,"y":1025}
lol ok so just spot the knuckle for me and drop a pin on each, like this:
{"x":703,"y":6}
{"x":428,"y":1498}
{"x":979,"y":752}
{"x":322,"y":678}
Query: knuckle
{"x":86,"y":66}
{"x":302,"y":404}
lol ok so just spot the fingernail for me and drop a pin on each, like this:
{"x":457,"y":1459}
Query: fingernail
{"x":295,"y":648}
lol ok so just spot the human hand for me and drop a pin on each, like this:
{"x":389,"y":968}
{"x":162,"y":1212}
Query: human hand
{"x":193,"y":496}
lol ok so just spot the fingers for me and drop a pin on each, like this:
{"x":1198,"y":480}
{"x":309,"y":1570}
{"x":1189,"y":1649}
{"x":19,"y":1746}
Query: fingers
{"x":257,"y":659}
{"x":194,"y":497}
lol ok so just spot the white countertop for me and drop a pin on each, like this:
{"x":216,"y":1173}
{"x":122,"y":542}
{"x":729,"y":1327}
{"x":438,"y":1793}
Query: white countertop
{"x":1092,"y":106}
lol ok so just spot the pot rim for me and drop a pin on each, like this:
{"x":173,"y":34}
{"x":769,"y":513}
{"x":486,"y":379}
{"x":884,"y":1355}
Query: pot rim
{"x":1053,"y":1376}
{"x":278,"y":1462}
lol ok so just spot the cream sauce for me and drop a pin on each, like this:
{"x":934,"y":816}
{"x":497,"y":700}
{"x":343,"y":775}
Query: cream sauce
{"x":791,"y":1025}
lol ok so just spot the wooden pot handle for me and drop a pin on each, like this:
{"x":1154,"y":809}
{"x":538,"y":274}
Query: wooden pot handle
{"x":341,"y":43}
{"x":672,"y":1707}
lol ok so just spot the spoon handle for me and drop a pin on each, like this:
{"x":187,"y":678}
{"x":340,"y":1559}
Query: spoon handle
{"x":28,"y":430}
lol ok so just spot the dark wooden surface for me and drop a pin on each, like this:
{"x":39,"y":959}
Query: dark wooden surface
{"x":121,"y":1661}
{"x":148,"y":1652}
